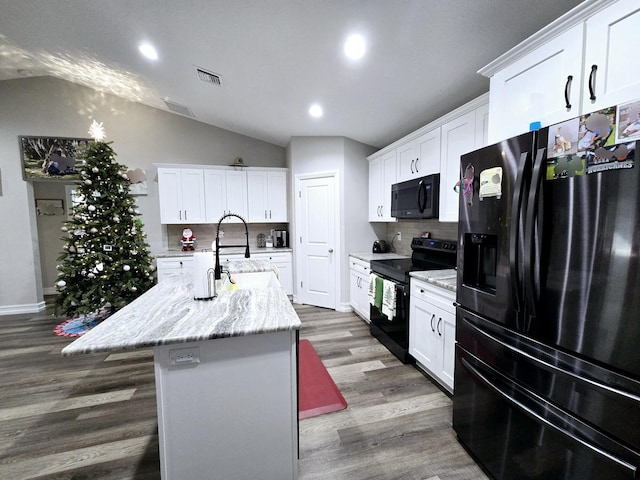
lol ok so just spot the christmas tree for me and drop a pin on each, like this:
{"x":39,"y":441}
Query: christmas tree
{"x":105,"y":263}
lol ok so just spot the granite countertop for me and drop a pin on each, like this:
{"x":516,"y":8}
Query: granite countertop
{"x":447,"y":279}
{"x":368,"y":256}
{"x":224,"y":251}
{"x":167,"y":314}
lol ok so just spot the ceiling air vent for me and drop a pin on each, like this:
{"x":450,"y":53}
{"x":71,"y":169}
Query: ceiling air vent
{"x":209,"y":77}
{"x":177,"y":108}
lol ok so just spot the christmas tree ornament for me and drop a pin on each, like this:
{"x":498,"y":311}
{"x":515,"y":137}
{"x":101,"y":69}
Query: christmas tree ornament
{"x":91,"y":208}
{"x":126,"y":268}
{"x":95,"y":170}
{"x":61,"y":283}
{"x":96,"y":130}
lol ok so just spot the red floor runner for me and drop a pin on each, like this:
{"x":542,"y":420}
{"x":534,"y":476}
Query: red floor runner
{"x":317,"y":392}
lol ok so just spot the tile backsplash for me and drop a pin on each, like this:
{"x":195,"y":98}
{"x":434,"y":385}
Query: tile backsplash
{"x":233,"y":234}
{"x":414,"y":228}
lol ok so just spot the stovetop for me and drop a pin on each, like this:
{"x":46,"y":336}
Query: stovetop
{"x":427,"y":254}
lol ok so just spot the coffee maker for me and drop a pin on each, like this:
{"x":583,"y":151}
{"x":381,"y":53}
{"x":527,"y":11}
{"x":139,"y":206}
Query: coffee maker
{"x":280,"y":238}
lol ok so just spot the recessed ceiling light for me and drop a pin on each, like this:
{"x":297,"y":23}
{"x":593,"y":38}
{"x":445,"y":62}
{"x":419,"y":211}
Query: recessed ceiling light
{"x":355,"y":46}
{"x":148,"y":51}
{"x":315,"y":110}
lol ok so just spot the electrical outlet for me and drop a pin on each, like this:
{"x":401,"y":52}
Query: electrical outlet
{"x":184,"y":356}
{"x":399,"y":236}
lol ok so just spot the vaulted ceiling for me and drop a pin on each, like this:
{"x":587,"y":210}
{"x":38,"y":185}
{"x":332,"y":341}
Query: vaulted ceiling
{"x":275,"y":57}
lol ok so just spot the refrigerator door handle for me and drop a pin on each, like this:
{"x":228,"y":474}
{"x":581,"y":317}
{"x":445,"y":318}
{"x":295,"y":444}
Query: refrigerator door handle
{"x":514,"y":251}
{"x":534,"y":358}
{"x":531,"y":245}
{"x":558,"y":414}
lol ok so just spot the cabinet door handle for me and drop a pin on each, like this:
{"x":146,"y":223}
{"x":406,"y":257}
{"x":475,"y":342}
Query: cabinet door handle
{"x":432,"y":318}
{"x":592,"y":83}
{"x":269,"y":214}
{"x":567,"y":86}
{"x":439,"y":322}
{"x":180,"y":214}
{"x":417,"y":165}
{"x":185,"y":215}
{"x":265,"y":215}
{"x":412,"y":165}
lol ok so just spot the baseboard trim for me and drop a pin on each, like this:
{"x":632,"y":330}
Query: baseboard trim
{"x":344,"y":307}
{"x":21,"y":309}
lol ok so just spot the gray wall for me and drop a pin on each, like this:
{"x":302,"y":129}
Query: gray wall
{"x":142,"y":136}
{"x":309,"y":155}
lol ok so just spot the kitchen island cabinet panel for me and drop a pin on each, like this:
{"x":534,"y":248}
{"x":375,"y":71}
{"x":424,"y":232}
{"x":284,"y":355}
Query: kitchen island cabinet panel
{"x":239,"y":384}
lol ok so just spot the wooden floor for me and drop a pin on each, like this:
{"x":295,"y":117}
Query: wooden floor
{"x":94,"y":416}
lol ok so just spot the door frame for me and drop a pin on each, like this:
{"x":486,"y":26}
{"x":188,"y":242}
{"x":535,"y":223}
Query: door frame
{"x":337,"y":215}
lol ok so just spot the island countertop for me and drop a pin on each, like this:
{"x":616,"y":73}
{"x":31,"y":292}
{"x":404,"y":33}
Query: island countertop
{"x":168,"y":314}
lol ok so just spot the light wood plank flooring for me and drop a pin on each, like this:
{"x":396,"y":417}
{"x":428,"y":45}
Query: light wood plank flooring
{"x":94,"y":416}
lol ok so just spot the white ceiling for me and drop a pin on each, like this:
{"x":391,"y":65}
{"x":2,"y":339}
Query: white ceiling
{"x":276,"y":57}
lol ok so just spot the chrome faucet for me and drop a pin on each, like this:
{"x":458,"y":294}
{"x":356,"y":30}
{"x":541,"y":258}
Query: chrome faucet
{"x":218,"y":270}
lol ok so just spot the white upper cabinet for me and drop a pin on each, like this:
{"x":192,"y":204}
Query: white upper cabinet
{"x":420,"y":156}
{"x":434,"y":148}
{"x":458,"y":138}
{"x":267,"y":193}
{"x":225,"y":192}
{"x":204,"y":193}
{"x":382,"y":174}
{"x":609,"y":47}
{"x":538,"y":87}
{"x":181,"y":192}
{"x":545,"y":78}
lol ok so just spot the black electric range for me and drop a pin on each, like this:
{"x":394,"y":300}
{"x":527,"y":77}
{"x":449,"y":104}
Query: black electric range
{"x":427,"y":254}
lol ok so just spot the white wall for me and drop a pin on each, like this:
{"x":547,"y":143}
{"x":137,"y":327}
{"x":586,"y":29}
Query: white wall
{"x":308,"y":155}
{"x":45,"y":106}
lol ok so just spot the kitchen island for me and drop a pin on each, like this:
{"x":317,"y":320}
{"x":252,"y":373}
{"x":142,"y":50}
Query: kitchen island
{"x":226,"y":375}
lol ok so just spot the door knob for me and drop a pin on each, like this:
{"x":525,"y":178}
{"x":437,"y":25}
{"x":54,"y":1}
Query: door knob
{"x":331,"y":250}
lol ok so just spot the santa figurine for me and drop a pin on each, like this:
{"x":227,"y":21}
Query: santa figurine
{"x":188,"y":240}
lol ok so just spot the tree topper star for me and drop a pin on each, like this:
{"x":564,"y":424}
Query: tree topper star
{"x":96,"y":130}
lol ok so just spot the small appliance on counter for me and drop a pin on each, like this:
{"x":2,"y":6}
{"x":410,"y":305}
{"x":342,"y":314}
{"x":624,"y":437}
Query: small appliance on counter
{"x":280,"y":238}
{"x":379,"y":246}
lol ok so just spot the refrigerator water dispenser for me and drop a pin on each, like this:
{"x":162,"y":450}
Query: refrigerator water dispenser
{"x":480,"y":260}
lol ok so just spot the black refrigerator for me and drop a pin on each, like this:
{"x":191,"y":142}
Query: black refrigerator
{"x":547,"y":374}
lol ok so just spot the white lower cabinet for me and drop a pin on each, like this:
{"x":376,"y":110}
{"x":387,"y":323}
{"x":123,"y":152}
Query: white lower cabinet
{"x":184,"y":264}
{"x":432,"y":331}
{"x":173,"y":266}
{"x":359,"y":287}
{"x":284,"y":263}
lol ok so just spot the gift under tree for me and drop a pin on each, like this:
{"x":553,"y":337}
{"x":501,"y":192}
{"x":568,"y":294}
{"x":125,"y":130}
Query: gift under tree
{"x":105,"y":263}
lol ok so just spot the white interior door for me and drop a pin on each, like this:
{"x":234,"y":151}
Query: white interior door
{"x":316,"y":253}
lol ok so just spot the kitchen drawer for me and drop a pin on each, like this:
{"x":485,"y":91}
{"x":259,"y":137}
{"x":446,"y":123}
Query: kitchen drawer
{"x":173,"y":266}
{"x":359,"y":266}
{"x":437,"y":296}
{"x":273,"y":257}
{"x":175,"y":262}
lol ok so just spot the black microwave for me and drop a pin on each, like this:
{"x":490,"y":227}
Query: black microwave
{"x":417,"y":198}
